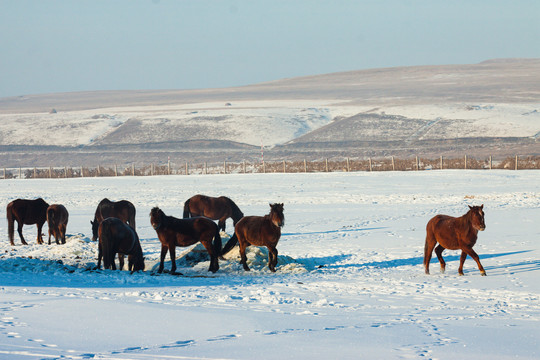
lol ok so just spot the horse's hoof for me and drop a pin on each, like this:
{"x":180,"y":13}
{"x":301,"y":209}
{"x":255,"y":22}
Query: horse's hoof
{"x":483,"y":273}
{"x":175,"y":273}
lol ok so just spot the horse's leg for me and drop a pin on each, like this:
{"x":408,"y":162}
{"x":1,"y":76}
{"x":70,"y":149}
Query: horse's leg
{"x":428,"y":249}
{"x":100,"y":255}
{"x":39,"y":233}
{"x":214,"y":264}
{"x":172,"y":254}
{"x":221,"y":224}
{"x":164,"y":250}
{"x":50,"y":231}
{"x":476,"y":258}
{"x":462,"y":261}
{"x":63,"y":233}
{"x":242,"y":244}
{"x":272,"y":258}
{"x":121,"y":261}
{"x":439,"y":250}
{"x":19,"y":230}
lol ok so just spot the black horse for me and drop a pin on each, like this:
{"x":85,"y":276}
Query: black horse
{"x":117,"y":237}
{"x":123,"y":210}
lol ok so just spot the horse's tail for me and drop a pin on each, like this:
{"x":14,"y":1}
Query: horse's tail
{"x":11,"y":221}
{"x":187,"y":213}
{"x":217,"y":243}
{"x":229,"y":245}
{"x":106,"y":248}
{"x":50,"y":217}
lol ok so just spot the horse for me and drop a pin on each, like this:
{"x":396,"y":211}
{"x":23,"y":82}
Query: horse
{"x":123,"y":210}
{"x":26,"y":212}
{"x":57,"y":219}
{"x":454,"y":233}
{"x":220,"y":208}
{"x":173,"y":232}
{"x":117,"y":237}
{"x":258,"y":231}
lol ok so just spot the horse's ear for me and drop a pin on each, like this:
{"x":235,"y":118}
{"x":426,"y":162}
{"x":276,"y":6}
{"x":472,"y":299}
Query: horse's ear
{"x":482,"y":206}
{"x":470,"y":207}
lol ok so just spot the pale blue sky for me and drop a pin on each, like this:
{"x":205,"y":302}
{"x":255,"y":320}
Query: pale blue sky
{"x":62,"y":46}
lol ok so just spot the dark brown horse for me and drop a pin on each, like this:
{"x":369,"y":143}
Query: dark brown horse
{"x":26,"y":212}
{"x":454,"y":234}
{"x":123,"y":210}
{"x":258,"y":231}
{"x":57,"y":219}
{"x":220,"y":208}
{"x":117,"y":237}
{"x":173,"y":232}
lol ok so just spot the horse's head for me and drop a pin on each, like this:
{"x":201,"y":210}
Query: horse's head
{"x":136,"y":263}
{"x":95,"y":227}
{"x":477,"y":217}
{"x":156,"y":217}
{"x":276,"y":214}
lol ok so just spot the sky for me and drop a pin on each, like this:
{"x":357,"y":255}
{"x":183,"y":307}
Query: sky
{"x":64,"y":45}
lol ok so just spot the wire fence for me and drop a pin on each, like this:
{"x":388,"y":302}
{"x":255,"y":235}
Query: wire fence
{"x":282,"y":166}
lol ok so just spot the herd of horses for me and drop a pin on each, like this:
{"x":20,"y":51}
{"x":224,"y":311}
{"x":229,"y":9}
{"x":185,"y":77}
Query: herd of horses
{"x":114,"y":227}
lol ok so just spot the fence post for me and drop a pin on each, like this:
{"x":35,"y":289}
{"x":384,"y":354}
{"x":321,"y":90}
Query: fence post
{"x":284,"y":169}
{"x":305,"y":166}
{"x":244,"y":163}
{"x":370,"y":167}
{"x":441,"y":162}
{"x":516,"y":162}
{"x":393,"y":164}
{"x":348,"y":166}
{"x":65,"y":172}
{"x":490,"y":162}
{"x":35,"y":173}
{"x":50,"y":172}
{"x":115,"y":170}
{"x":4,"y":173}
{"x":205,"y":168}
{"x":168,"y":167}
{"x":417,"y":164}
{"x":187,"y":169}
{"x":132,"y":169}
{"x":82,"y":171}
{"x":465,"y":162}
{"x":326,"y":165}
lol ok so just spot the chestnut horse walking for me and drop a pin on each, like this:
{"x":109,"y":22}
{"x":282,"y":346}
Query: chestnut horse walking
{"x":123,"y":210}
{"x":173,"y":232}
{"x":454,"y":233}
{"x":258,"y":231}
{"x":220,"y":208}
{"x":26,"y":212}
{"x":57,"y":219}
{"x":117,"y":237}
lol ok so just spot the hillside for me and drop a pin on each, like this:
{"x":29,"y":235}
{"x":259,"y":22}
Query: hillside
{"x":491,"y":108}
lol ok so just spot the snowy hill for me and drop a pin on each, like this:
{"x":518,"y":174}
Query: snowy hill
{"x":492,"y":108}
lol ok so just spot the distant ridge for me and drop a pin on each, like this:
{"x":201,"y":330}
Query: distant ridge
{"x":496,"y":80}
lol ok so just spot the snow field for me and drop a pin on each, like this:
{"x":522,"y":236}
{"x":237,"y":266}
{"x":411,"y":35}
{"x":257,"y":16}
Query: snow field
{"x":349,"y":284}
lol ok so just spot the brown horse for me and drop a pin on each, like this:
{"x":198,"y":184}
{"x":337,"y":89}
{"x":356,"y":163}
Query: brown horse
{"x":57,"y":219}
{"x":220,"y":208}
{"x":454,"y":233}
{"x":26,"y":212}
{"x":117,"y":237}
{"x":173,"y":232}
{"x":123,"y":210}
{"x":258,"y":231}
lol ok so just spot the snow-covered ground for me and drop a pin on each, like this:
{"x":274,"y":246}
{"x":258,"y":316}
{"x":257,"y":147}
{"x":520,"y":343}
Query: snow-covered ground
{"x":350,"y":282}
{"x":256,"y":123}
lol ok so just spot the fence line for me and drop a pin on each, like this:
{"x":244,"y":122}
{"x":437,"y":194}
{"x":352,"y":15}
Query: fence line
{"x":282,"y":166}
